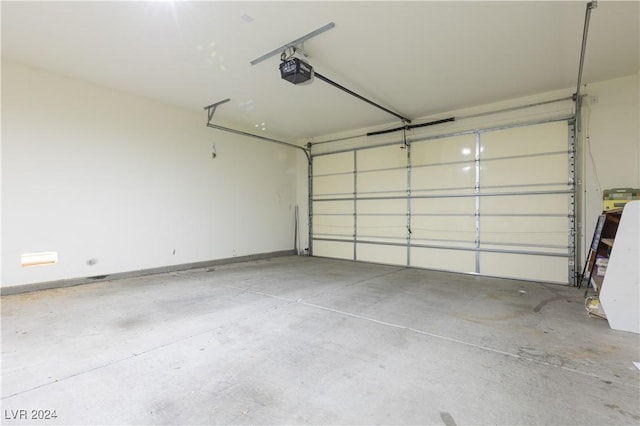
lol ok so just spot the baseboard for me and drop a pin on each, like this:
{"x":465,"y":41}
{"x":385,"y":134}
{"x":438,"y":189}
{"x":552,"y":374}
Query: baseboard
{"x":25,"y":288}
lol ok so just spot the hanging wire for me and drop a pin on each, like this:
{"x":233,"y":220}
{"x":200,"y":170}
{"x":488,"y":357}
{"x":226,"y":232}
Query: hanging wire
{"x":588,"y":144}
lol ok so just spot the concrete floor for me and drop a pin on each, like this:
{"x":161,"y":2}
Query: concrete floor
{"x":299,"y":340}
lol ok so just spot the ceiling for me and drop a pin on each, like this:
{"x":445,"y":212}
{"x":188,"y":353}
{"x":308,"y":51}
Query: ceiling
{"x":417,"y":58}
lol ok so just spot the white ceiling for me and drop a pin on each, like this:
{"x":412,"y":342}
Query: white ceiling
{"x":416,"y":58}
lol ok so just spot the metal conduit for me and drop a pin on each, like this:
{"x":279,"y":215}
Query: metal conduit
{"x":587,"y":17}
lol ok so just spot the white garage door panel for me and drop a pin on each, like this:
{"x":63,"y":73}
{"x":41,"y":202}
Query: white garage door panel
{"x":333,"y":226}
{"x":386,"y":157}
{"x":543,"y":268}
{"x":443,"y":228}
{"x":446,"y":260}
{"x":446,"y":150}
{"x":546,"y":169}
{"x":525,"y":140}
{"x":332,"y":185}
{"x":550,"y":231}
{"x":493,"y":202}
{"x":534,"y":204}
{"x":390,"y":255}
{"x":332,"y":207}
{"x":382,"y":207}
{"x":333,"y":249}
{"x":388,"y":181}
{"x":334,"y":163}
{"x":450,"y":176}
{"x":382,"y":226}
{"x":453,"y":205}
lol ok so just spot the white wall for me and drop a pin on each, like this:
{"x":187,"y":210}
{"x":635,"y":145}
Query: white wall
{"x":611,"y":135}
{"x":100,"y":175}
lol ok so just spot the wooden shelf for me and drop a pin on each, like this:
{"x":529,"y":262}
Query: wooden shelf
{"x":607,"y":241}
{"x":601,"y":246}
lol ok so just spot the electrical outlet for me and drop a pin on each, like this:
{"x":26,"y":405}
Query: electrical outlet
{"x":593,"y":99}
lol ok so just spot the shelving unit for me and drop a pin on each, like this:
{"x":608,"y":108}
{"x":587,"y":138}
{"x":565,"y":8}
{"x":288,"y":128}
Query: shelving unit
{"x":603,"y":239}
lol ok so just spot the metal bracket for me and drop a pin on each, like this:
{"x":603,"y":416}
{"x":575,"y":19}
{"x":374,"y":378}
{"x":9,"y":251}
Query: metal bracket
{"x":294,"y":43}
{"x":211,"y":109}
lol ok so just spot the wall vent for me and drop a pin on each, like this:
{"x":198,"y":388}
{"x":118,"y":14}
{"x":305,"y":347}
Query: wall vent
{"x":42,"y":258}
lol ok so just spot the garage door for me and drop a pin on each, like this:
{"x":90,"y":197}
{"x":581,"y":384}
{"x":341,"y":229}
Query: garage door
{"x":495,"y":202}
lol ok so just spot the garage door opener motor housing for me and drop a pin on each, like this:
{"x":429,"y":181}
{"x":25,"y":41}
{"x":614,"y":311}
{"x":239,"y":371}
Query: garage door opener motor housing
{"x":296,"y":71}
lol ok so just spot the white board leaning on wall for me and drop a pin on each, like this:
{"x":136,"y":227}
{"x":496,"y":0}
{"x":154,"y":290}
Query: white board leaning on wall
{"x":620,"y":294}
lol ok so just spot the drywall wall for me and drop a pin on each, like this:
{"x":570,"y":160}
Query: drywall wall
{"x":116,"y":183}
{"x":611,"y":141}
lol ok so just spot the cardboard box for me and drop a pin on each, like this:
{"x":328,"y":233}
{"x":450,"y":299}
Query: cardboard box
{"x":616,"y":198}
